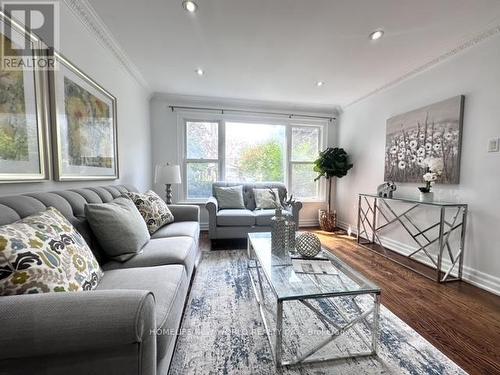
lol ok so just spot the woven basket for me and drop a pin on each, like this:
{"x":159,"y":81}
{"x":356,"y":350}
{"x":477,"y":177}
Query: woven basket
{"x":327,"y":220}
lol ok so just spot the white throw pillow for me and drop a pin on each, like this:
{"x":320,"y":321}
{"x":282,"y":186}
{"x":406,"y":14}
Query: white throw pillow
{"x":265,"y":199}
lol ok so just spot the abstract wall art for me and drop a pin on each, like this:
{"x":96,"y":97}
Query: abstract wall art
{"x":84,"y":126}
{"x":22,"y":114}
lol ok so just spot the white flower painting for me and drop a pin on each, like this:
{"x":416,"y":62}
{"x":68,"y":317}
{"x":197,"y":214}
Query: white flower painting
{"x":433,"y":132}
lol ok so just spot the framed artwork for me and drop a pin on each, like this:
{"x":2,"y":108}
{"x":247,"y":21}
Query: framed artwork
{"x":84,"y":126}
{"x":23,"y":115}
{"x":433,"y":132}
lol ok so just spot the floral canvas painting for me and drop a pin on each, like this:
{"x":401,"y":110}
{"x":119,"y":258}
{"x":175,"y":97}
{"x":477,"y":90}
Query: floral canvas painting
{"x":433,"y":132}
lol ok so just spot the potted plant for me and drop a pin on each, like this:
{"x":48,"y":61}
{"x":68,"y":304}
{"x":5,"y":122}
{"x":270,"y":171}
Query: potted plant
{"x":332,"y":162}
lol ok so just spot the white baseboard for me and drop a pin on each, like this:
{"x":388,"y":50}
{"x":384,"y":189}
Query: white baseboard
{"x":472,"y":276}
{"x":308,"y":223}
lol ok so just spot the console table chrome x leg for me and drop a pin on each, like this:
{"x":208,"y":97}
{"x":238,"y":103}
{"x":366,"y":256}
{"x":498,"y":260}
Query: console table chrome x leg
{"x":381,"y":210}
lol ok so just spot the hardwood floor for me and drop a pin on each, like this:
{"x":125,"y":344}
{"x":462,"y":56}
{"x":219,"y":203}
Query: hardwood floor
{"x":459,"y":319}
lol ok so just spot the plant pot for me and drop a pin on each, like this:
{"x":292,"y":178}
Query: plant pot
{"x":327,"y":220}
{"x":426,"y":197}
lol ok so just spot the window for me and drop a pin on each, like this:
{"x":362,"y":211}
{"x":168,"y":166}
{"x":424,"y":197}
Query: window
{"x":251,"y":152}
{"x":305,"y":150}
{"x":202,"y":158}
{"x":255,"y":152}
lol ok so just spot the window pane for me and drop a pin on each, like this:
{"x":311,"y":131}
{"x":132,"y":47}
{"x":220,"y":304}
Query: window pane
{"x":303,"y":185}
{"x":255,"y":152}
{"x":305,"y":144}
{"x":202,"y":140}
{"x":200,"y":177}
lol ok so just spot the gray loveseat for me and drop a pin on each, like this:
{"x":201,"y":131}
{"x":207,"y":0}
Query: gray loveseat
{"x":127,"y":325}
{"x":237,"y":223}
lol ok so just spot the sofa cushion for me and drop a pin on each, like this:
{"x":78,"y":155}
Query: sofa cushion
{"x":153,"y":209}
{"x":44,"y":253}
{"x":160,"y":252}
{"x":229,"y":197}
{"x":169,"y":285}
{"x":266,"y":198}
{"x":119,"y":227}
{"x":235,"y":218}
{"x":263,"y":217}
{"x":248,"y":193}
{"x":180,"y":229}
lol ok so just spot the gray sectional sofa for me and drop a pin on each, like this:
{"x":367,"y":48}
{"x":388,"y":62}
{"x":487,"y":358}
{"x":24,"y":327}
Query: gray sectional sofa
{"x":237,"y":223}
{"x":127,"y":325}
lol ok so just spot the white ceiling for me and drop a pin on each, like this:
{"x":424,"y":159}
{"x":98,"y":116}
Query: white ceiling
{"x":275,"y":50}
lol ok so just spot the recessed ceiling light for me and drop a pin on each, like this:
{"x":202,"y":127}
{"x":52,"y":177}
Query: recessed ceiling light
{"x":200,"y":71}
{"x":320,"y":83}
{"x":190,"y":6}
{"x":377,"y":34}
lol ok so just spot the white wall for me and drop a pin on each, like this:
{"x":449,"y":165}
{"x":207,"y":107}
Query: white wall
{"x":164,"y":124}
{"x":134,"y":136}
{"x":474,"y":73}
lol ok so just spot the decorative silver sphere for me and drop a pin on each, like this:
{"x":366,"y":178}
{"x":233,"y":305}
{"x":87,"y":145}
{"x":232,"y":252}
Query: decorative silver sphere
{"x":308,"y":245}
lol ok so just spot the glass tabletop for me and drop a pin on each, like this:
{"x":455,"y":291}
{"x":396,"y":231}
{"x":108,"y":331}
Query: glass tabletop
{"x":287,"y":283}
{"x":417,"y":201}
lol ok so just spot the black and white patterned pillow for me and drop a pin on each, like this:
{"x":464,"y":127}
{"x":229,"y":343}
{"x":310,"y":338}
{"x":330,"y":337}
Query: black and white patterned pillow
{"x":153,"y":209}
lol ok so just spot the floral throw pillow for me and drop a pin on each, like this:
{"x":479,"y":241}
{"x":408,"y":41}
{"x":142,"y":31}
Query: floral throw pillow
{"x":44,"y":253}
{"x":153,"y":209}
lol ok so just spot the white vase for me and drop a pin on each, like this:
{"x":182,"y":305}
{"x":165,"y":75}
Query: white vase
{"x":427,"y":197}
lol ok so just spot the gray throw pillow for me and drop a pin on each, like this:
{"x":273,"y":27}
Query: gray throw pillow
{"x":264,"y":199}
{"x":229,"y":197}
{"x":119,"y":227}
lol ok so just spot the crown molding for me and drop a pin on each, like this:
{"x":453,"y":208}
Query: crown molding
{"x":88,"y":16}
{"x":248,"y":104}
{"x":481,"y":37}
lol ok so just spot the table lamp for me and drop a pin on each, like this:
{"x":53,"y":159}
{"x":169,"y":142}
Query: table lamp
{"x":168,"y":174}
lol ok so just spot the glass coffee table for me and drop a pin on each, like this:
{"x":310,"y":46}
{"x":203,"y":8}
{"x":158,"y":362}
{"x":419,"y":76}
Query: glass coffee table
{"x":321,"y":293}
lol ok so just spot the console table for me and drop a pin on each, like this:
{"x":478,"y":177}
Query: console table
{"x":377,"y":213}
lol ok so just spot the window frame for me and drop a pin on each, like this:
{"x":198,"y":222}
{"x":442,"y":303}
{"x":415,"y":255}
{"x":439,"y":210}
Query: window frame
{"x":187,"y":160}
{"x":201,"y":116}
{"x":321,"y":189}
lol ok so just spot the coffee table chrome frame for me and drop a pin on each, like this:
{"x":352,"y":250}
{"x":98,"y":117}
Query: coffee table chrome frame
{"x":370,"y":213}
{"x":277,"y":349}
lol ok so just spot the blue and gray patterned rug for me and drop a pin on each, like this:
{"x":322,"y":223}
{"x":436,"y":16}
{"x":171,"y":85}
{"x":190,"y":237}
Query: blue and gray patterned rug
{"x":222,"y":332}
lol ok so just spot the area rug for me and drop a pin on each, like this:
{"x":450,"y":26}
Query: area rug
{"x":222,"y":332}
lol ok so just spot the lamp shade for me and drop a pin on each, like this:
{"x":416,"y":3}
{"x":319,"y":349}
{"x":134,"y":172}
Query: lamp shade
{"x":168,"y":174}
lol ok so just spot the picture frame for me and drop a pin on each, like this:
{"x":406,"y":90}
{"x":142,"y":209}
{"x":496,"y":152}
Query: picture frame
{"x":430,"y":132}
{"x":84,"y":125}
{"x":23,"y":109}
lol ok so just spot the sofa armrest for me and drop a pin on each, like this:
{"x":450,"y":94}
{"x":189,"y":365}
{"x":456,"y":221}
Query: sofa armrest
{"x":212,"y":207}
{"x":54,"y":323}
{"x":185,"y":212}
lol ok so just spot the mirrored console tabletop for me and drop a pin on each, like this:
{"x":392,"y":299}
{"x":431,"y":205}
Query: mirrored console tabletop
{"x":376,"y":214}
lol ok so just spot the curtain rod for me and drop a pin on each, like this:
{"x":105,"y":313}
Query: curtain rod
{"x":222,"y":111}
